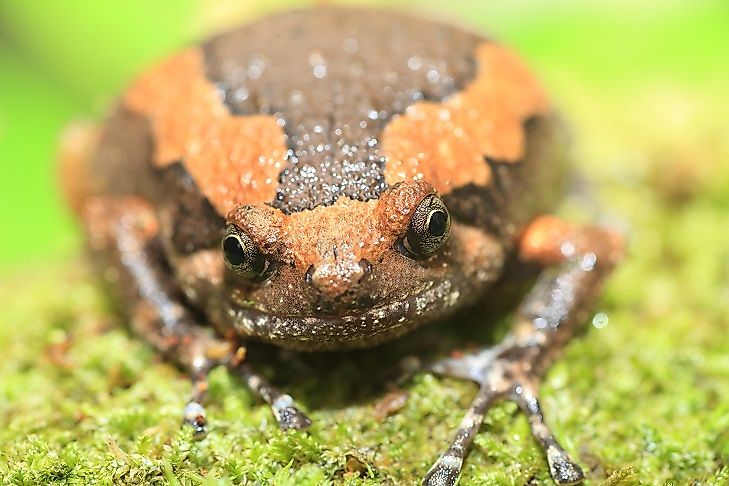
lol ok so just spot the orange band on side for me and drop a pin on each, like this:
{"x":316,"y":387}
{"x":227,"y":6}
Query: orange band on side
{"x":234,"y":160}
{"x":445,"y":143}
{"x":548,"y":240}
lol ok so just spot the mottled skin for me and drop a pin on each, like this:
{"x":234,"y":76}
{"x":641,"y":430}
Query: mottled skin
{"x":315,"y":138}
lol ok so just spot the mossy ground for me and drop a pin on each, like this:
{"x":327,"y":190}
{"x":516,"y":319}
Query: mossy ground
{"x":644,"y":399}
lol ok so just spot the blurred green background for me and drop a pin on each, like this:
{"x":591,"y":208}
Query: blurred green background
{"x":65,"y":60}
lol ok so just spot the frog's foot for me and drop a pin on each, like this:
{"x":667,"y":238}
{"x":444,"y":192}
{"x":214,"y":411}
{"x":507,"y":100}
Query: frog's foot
{"x":502,"y":373}
{"x":287,"y":413}
{"x":576,"y":259}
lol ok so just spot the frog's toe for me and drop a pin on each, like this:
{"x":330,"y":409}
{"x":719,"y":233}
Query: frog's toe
{"x":444,"y":472}
{"x":289,"y":417}
{"x":194,"y":416}
{"x":562,"y":468}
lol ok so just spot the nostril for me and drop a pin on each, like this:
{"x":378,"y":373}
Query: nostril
{"x":366,"y":267}
{"x":338,"y":278}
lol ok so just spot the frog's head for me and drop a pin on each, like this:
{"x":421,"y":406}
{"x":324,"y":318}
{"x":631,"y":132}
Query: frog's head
{"x":355,"y":272}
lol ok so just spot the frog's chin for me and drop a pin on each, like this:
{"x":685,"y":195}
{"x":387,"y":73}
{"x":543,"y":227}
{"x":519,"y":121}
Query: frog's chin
{"x":364,"y":329}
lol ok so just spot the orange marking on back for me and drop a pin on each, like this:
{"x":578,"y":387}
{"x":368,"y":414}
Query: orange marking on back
{"x":445,"y":143}
{"x":548,"y":240}
{"x":234,"y":160}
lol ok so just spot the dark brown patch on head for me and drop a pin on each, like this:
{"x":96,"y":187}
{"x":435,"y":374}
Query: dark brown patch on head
{"x":233,"y":159}
{"x":446,"y":143}
{"x":334,"y":78}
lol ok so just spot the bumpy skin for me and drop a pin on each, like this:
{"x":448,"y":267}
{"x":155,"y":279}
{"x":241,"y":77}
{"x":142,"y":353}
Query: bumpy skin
{"x":319,"y":135}
{"x":316,"y":133}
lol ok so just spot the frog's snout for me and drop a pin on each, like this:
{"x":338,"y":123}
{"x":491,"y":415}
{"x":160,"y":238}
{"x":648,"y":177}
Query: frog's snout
{"x":336,"y":278}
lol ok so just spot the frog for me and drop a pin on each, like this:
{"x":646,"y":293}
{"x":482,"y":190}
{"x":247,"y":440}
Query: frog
{"x":333,"y":178}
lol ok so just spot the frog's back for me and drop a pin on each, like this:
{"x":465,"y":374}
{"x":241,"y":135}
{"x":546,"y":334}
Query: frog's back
{"x":303,"y":108}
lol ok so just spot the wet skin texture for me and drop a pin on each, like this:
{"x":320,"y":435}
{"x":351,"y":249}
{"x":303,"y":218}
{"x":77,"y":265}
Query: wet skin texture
{"x":333,"y":178}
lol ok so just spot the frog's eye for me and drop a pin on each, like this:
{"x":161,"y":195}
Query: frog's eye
{"x":242,"y":256}
{"x":428,"y":229}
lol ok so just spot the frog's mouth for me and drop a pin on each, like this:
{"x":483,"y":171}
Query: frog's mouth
{"x":366,"y":328}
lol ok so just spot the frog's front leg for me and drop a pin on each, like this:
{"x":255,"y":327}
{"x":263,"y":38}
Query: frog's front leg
{"x":123,"y":232}
{"x":577,"y":260}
